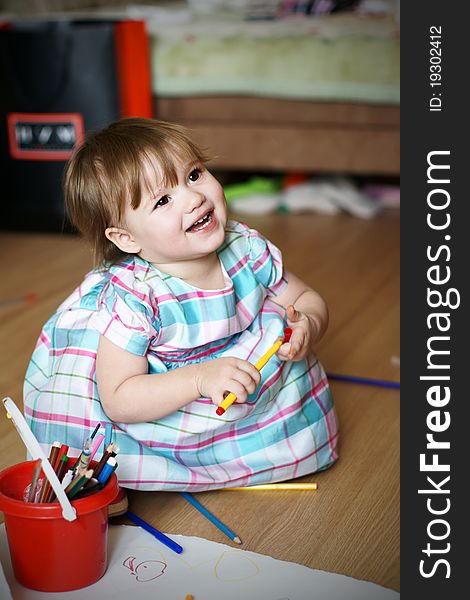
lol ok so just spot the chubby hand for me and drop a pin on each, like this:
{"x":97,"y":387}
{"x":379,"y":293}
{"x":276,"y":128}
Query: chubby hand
{"x":305,"y":332}
{"x":214,"y":378}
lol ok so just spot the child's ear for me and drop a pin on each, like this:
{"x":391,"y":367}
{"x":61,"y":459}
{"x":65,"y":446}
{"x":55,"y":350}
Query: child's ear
{"x":123,"y":240}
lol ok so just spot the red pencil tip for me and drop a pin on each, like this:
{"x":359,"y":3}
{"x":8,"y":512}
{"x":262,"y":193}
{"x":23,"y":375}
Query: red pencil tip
{"x":287,"y":334}
{"x":220,"y":410}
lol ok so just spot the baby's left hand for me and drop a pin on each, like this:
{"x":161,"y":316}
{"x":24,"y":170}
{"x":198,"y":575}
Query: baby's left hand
{"x":305,"y":332}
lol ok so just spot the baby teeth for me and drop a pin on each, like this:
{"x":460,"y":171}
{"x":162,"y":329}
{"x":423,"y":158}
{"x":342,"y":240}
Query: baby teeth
{"x":204,"y":221}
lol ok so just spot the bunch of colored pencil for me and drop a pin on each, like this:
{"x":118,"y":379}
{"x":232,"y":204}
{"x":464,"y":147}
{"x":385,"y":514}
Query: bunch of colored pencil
{"x":80,"y":479}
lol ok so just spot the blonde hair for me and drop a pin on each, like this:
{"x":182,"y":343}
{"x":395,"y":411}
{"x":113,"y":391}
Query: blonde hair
{"x":107,"y":171}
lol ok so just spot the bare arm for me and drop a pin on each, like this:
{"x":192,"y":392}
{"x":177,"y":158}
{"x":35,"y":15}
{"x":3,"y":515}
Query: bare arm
{"x":129,"y":394}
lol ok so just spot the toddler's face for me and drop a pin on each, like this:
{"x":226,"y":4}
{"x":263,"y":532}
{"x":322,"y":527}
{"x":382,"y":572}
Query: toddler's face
{"x":180,"y":223}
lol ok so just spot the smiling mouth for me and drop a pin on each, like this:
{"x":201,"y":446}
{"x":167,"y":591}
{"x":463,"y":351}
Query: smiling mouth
{"x":202,"y":223}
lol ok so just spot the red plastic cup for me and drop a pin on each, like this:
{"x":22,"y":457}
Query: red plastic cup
{"x":49,"y":553}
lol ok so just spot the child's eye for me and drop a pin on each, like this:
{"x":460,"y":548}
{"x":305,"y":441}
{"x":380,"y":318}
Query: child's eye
{"x":162,"y":201}
{"x":194,"y":175}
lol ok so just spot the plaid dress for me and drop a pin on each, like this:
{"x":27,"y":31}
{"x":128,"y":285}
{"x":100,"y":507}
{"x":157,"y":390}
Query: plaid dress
{"x":286,"y":429}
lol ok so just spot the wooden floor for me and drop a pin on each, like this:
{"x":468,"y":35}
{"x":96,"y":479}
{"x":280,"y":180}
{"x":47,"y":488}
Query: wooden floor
{"x":351,"y":523}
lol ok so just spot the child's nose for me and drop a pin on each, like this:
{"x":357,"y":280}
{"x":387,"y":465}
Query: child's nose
{"x":194,"y":200}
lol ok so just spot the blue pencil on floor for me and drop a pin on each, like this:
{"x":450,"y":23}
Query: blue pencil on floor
{"x":228,"y":532}
{"x":157,"y":534}
{"x":364,"y":380}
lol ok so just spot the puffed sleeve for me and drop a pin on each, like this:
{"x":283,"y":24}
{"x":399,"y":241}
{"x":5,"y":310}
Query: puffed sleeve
{"x":128,"y":315}
{"x":266,"y":263}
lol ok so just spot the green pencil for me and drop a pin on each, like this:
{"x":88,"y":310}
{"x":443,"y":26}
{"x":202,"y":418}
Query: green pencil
{"x":76,"y":484}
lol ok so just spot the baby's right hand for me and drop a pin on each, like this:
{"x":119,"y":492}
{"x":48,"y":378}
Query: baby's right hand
{"x":214,"y":378}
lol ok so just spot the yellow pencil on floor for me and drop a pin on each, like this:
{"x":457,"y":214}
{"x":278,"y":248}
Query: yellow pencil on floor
{"x":230,"y":399}
{"x":273,"y":486}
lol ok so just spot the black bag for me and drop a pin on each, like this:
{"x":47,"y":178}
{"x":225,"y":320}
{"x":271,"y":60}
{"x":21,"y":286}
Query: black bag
{"x":58,"y":81}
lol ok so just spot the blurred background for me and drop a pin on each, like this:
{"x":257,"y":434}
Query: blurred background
{"x":296,"y":102}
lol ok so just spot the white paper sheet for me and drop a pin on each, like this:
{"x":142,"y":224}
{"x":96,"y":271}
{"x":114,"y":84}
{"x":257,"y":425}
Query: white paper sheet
{"x":5,"y":592}
{"x":140,"y":567}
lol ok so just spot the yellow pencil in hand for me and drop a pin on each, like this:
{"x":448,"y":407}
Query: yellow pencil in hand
{"x":230,"y":399}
